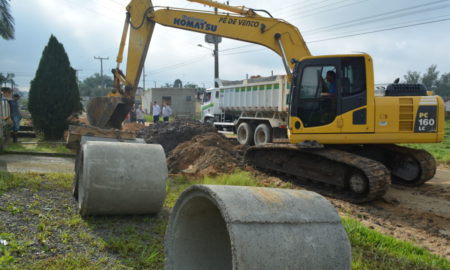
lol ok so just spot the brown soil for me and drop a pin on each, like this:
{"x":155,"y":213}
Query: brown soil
{"x":418,"y":214}
{"x":135,"y":127}
{"x":171,"y":134}
{"x":208,"y":154}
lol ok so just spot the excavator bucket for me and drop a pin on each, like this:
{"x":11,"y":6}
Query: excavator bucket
{"x":108,"y":112}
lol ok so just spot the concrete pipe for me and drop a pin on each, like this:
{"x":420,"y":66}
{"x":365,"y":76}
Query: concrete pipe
{"x":230,"y":227}
{"x":121,"y":178}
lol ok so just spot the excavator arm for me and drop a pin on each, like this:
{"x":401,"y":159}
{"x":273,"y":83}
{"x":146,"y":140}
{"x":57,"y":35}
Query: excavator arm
{"x":239,"y":23}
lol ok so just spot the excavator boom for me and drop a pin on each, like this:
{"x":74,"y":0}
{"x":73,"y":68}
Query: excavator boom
{"x":241,"y":24}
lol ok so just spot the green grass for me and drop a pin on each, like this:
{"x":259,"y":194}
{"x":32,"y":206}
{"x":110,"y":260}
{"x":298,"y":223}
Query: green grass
{"x":149,"y":118}
{"x":34,"y":181}
{"x":38,"y":147}
{"x":52,"y":235}
{"x":440,"y":151}
{"x":373,"y":250}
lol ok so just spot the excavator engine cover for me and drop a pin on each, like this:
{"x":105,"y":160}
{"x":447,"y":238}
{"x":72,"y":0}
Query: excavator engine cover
{"x":108,"y":112}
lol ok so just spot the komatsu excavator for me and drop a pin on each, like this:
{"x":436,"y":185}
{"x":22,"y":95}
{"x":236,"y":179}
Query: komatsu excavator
{"x":356,"y":130}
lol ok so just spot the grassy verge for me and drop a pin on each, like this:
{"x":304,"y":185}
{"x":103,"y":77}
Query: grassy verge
{"x":38,"y":147}
{"x":373,"y":250}
{"x":149,"y":118}
{"x":40,"y":223}
{"x":440,"y":151}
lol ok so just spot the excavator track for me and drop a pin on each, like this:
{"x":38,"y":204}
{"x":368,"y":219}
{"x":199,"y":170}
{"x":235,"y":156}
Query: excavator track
{"x":331,"y":172}
{"x":408,"y":167}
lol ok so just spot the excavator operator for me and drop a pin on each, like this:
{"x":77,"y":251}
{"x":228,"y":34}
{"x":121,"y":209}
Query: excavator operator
{"x":331,"y":79}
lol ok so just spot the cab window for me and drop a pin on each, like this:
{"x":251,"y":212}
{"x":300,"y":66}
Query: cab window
{"x":206,"y":97}
{"x":313,"y":81}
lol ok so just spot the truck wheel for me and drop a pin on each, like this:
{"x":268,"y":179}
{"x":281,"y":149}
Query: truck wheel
{"x":263,"y":134}
{"x":245,"y":134}
{"x":209,"y":121}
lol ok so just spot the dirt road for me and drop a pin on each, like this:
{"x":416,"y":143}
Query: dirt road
{"x":419,"y":214}
{"x":33,"y":163}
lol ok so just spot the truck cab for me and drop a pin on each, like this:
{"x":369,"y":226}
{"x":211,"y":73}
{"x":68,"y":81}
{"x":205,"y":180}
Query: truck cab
{"x":210,"y":106}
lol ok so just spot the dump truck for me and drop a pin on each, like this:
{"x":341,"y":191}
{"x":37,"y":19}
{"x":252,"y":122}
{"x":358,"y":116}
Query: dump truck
{"x":259,"y":99}
{"x":342,"y":137}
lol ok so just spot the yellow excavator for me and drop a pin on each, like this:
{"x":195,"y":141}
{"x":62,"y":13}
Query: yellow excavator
{"x":342,"y":137}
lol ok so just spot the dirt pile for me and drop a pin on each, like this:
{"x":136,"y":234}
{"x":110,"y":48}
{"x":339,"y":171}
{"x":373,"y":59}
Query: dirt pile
{"x":135,"y":127}
{"x":171,"y":134}
{"x":206,"y":155}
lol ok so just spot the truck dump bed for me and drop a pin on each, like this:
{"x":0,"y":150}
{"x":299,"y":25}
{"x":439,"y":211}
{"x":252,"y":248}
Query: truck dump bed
{"x":255,"y":94}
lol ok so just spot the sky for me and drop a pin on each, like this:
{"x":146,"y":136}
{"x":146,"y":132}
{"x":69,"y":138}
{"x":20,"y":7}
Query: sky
{"x":419,"y":37}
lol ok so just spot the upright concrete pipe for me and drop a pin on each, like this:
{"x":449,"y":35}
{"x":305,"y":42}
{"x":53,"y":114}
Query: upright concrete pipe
{"x":118,"y":178}
{"x":229,"y":227}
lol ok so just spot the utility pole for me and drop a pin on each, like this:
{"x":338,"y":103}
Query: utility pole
{"x":101,"y":67}
{"x":216,"y":58}
{"x":143,"y":76}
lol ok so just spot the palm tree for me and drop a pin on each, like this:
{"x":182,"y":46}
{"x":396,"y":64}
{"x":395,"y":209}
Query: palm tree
{"x":6,"y":21}
{"x":10,"y":79}
{"x":2,"y":79}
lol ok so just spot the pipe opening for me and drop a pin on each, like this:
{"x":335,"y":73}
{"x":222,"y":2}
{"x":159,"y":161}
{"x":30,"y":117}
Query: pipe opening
{"x":201,"y":239}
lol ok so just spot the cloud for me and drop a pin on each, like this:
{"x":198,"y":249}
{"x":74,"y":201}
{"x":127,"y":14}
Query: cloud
{"x":89,"y":28}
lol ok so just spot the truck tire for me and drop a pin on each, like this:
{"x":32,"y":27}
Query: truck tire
{"x":263,"y":134}
{"x":244,"y":134}
{"x":209,"y":121}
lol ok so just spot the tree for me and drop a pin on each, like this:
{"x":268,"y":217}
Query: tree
{"x":178,"y":84}
{"x":443,"y":85}
{"x":430,"y":77}
{"x":9,"y":78}
{"x":412,"y":77}
{"x":2,"y":79}
{"x":6,"y":21}
{"x":54,"y":92}
{"x":92,"y":86}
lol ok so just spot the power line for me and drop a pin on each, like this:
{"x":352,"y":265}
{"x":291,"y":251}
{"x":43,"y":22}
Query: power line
{"x":378,"y":30}
{"x":353,"y":31}
{"x":178,"y":65}
{"x":328,"y":9}
{"x":248,"y":51}
{"x":380,"y":16}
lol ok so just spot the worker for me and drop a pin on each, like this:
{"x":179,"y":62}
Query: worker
{"x":140,"y":115}
{"x":133,"y":114}
{"x":332,"y":88}
{"x":16,"y":116}
{"x":166,"y":112}
{"x":156,"y":112}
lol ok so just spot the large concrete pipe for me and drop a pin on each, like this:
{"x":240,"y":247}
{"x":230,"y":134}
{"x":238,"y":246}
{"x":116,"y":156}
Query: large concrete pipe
{"x":118,"y":178}
{"x":229,"y":227}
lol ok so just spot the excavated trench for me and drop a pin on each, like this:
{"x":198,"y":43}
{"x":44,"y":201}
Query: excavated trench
{"x":417,"y":214}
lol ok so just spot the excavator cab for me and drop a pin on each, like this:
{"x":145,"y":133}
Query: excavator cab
{"x":325,"y":88}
